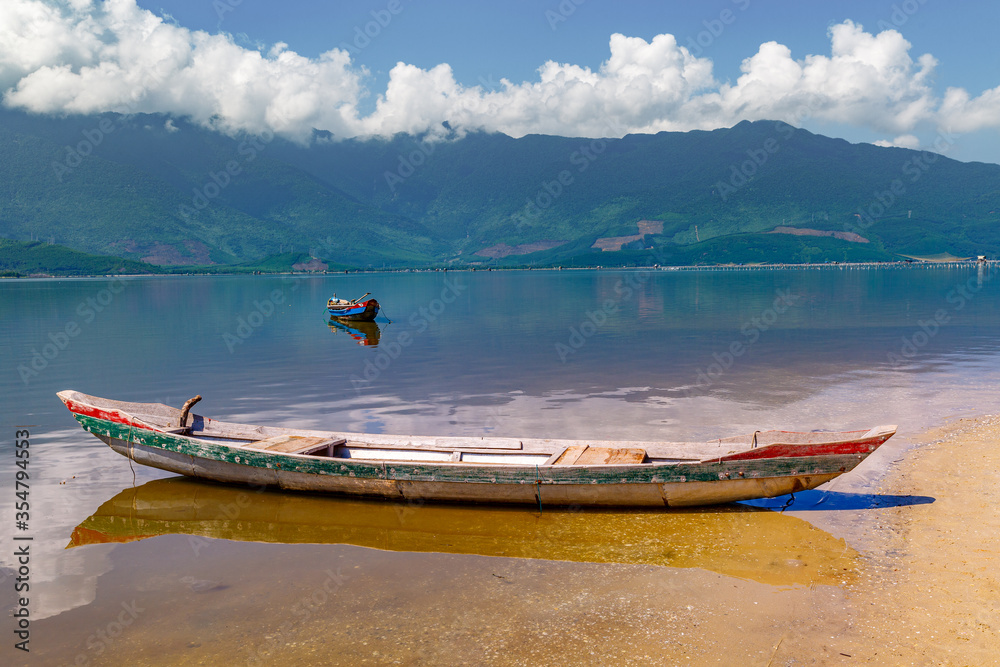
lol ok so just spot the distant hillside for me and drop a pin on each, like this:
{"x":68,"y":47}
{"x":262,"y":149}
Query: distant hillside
{"x":175,"y":194}
{"x":27,"y":258}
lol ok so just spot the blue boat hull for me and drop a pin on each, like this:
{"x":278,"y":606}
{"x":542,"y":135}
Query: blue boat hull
{"x":366,"y":311}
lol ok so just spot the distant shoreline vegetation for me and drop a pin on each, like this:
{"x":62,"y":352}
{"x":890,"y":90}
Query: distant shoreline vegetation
{"x":41,"y":260}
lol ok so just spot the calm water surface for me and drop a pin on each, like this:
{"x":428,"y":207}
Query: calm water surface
{"x":573,"y":354}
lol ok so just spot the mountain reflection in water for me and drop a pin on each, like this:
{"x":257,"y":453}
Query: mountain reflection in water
{"x":735,"y":540}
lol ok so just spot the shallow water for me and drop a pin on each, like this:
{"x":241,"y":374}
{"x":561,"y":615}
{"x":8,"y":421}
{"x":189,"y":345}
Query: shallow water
{"x":574,"y":354}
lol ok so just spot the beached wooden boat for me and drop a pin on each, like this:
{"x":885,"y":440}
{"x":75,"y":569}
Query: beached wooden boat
{"x":537,"y":471}
{"x":353,"y":310}
{"x":735,"y":540}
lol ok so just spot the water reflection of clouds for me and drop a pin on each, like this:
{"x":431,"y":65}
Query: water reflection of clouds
{"x":70,"y":472}
{"x":851,"y":399}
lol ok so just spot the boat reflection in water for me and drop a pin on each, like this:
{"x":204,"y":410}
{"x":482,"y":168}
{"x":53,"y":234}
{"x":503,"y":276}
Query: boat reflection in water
{"x":735,"y":540}
{"x":365,"y":333}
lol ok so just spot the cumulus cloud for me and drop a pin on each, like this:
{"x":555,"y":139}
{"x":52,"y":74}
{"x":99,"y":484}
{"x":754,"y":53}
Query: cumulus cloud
{"x":964,"y":114}
{"x":115,"y":56}
{"x":902,"y":141}
{"x":86,"y":57}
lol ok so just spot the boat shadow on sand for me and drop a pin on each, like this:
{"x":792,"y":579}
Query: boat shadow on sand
{"x":739,"y":540}
{"x":818,"y":500}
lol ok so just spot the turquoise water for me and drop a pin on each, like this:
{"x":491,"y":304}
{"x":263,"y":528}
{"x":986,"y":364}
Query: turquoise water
{"x":576,"y":354}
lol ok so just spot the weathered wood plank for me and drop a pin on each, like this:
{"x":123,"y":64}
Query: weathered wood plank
{"x":570,"y":455}
{"x":585,"y":455}
{"x":293,"y":444}
{"x":555,"y":457}
{"x":611,"y":455}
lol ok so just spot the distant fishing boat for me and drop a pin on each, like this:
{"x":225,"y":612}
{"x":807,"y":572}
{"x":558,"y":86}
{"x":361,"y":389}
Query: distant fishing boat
{"x":538,"y":471}
{"x":356,"y":310}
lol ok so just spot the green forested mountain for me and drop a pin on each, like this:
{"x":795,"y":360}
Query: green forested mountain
{"x":153,"y":188}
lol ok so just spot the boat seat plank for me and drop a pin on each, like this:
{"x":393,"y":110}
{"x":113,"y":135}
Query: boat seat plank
{"x":570,"y":455}
{"x":584,"y":455}
{"x":611,"y":455}
{"x":294,"y":444}
{"x":554,"y":457}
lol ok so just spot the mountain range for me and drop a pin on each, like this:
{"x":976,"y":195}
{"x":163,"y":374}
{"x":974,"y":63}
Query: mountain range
{"x":169,"y":193}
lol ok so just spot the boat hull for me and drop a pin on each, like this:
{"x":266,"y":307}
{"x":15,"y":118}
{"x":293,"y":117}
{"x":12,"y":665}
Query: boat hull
{"x":642,"y":485}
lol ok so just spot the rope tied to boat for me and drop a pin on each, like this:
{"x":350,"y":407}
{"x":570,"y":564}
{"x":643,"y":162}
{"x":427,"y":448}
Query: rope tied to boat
{"x":538,"y":487}
{"x":130,"y":451}
{"x":789,"y":502}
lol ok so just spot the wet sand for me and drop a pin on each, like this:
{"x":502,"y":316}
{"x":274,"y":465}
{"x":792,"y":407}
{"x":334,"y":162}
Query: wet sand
{"x":922,"y":590}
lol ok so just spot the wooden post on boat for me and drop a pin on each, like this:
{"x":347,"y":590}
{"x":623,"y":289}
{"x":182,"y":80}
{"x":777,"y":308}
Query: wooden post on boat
{"x":361,"y":297}
{"x":184,"y":410}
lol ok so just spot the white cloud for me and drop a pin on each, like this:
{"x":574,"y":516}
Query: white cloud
{"x":902,"y":141}
{"x":868,"y":81}
{"x":117,"y":57}
{"x":88,"y":57}
{"x":959,"y":113}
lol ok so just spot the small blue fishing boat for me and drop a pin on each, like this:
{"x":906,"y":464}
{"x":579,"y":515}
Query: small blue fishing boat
{"x":356,"y":310}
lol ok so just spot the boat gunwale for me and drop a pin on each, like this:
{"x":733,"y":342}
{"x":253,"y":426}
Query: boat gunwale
{"x":406,"y":471}
{"x":78,"y":403}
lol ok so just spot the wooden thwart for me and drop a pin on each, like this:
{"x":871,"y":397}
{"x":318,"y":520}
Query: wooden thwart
{"x":295,"y":444}
{"x":581,"y":455}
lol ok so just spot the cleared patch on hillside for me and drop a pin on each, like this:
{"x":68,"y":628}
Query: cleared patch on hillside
{"x":612,"y":243}
{"x":939,"y":257}
{"x":313,"y":264}
{"x":502,"y":250}
{"x":802,"y":231}
{"x":162,"y":254}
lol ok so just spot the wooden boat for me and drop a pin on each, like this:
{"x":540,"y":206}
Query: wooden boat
{"x":356,"y":310}
{"x":474,"y":469}
{"x":735,"y":540}
{"x":366,"y":334}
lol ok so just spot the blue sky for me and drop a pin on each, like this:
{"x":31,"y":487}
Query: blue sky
{"x":947,"y":47}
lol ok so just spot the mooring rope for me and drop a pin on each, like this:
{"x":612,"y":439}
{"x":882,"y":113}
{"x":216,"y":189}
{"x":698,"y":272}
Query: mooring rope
{"x":789,"y":502}
{"x":538,"y":488}
{"x":130,"y":451}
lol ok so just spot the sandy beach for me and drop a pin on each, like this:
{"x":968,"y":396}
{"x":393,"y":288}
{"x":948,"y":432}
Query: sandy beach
{"x":933,"y":597}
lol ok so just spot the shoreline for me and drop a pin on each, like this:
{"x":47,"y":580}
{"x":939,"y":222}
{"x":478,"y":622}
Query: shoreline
{"x":922,"y":264}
